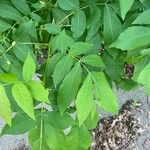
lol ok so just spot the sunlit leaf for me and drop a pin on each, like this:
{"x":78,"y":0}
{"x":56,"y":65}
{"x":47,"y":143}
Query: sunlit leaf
{"x":23,"y":98}
{"x":107,"y":98}
{"x":5,"y":110}
{"x":133,"y":38}
{"x":29,"y":68}
{"x":84,"y":100}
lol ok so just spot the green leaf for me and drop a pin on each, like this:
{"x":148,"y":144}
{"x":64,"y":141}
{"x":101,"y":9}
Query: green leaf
{"x":96,"y":42}
{"x":144,"y":76}
{"x":62,"y":68}
{"x":57,"y":120}
{"x":147,"y":89}
{"x":38,"y":91}
{"x":8,"y":78}
{"x":56,"y":139}
{"x":4,"y":26}
{"x":93,"y":60}
{"x":68,"y":4}
{"x":22,"y":6}
{"x":69,"y":88}
{"x":112,"y":25}
{"x":52,"y":28}
{"x":125,"y":6}
{"x":91,"y":123}
{"x":23,"y":98}
{"x":78,"y":24}
{"x":139,"y":66}
{"x":143,"y":18}
{"x":8,"y":12}
{"x":84,"y":100}
{"x":29,"y":68}
{"x":133,"y":38}
{"x":79,"y":48}
{"x":94,"y":23}
{"x":127,"y":85}
{"x":10,"y":64}
{"x":58,"y":14}
{"x":63,"y":42}
{"x":32,"y":32}
{"x":21,"y":51}
{"x":22,"y":33}
{"x":37,"y":138}
{"x":15,"y":67}
{"x":36,"y":17}
{"x":21,"y":124}
{"x":53,"y":62}
{"x":79,"y":139}
{"x":5,"y":110}
{"x":114,"y":68}
{"x":107,"y":98}
{"x":2,"y":50}
{"x":145,"y":51}
{"x":1,"y":71}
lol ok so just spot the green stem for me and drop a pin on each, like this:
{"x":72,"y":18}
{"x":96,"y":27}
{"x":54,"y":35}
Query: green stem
{"x":32,"y":43}
{"x":65,"y":18}
{"x":47,"y":61}
{"x":44,"y":82}
{"x":81,"y":64}
{"x":17,"y":23}
{"x":12,"y":45}
{"x":41,"y":132}
{"x":84,"y":7}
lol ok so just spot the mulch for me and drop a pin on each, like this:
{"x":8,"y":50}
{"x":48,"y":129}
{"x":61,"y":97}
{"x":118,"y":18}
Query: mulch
{"x":116,"y":132}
